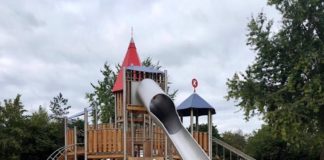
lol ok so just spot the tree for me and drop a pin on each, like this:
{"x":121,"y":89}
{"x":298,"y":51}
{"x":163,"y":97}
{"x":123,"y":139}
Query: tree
{"x":59,"y":107}
{"x":23,"y":136}
{"x":40,"y":140}
{"x":148,"y":62}
{"x":12,"y":128}
{"x":235,"y":139}
{"x":263,"y":145}
{"x":285,"y":83}
{"x":102,"y":97}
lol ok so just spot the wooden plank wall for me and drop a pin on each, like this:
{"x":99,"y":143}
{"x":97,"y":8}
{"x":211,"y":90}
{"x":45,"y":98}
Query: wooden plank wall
{"x":105,"y":140}
{"x":158,"y":141}
{"x":108,"y":139}
{"x":119,"y":105}
{"x":70,"y":138}
{"x":202,"y":140}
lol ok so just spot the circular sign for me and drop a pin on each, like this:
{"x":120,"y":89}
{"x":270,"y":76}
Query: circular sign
{"x":194,"y":83}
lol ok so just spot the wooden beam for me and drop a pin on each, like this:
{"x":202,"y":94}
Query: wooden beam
{"x":85,"y":134}
{"x":138,"y":108}
{"x":99,"y":156}
{"x":65,"y":137}
{"x":75,"y":143}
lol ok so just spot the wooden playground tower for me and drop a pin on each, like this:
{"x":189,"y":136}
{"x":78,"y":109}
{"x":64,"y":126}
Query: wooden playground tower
{"x":133,"y":135}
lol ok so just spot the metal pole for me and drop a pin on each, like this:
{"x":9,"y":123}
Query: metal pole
{"x":210,"y":132}
{"x":125,"y":113}
{"x":65,"y":138}
{"x":191,"y":121}
{"x":75,"y":143}
{"x":85,"y":134}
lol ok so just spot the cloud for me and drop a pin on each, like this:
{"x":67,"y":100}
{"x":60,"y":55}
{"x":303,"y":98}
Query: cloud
{"x":47,"y":47}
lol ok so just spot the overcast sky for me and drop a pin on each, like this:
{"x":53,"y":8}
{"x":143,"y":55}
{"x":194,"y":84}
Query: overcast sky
{"x":47,"y":47}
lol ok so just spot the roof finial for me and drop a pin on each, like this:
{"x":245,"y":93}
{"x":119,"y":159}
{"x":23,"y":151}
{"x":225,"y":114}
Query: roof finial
{"x":194,"y":83}
{"x":132,"y":35}
{"x":132,"y":31}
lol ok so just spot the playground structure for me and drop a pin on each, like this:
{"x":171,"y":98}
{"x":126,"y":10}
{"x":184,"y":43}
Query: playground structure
{"x":147,"y":125}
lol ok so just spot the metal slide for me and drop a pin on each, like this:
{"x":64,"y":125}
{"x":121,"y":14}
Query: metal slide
{"x":163,"y":111}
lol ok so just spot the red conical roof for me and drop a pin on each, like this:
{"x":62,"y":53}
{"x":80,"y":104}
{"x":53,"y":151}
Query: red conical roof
{"x":131,"y":59}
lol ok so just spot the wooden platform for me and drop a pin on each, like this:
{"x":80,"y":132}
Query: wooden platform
{"x":147,"y":158}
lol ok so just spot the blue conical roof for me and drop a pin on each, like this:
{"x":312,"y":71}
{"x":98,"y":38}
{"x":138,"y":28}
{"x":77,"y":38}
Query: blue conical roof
{"x":198,"y":104}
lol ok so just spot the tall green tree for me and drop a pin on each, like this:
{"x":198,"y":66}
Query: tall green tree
{"x":102,"y":97}
{"x":235,"y":139}
{"x":40,"y":137}
{"x":59,"y":107}
{"x":12,"y":128}
{"x":285,"y":83}
{"x":148,"y":62}
{"x":262,"y":144}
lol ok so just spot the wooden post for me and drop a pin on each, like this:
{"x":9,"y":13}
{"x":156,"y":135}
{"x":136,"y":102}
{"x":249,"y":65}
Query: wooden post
{"x":75,"y":143}
{"x":144,"y":135}
{"x":210,"y":122}
{"x":197,"y":123}
{"x":216,"y":149}
{"x":191,"y":121}
{"x":95,"y":118}
{"x":65,"y":138}
{"x":125,"y":114}
{"x":116,"y":105}
{"x":166,"y":91}
{"x":132,"y":133}
{"x":151,"y":136}
{"x":85,"y":134}
{"x":223,"y":153}
{"x":166,"y":148}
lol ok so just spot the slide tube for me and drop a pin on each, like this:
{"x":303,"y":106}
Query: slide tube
{"x":163,"y":111}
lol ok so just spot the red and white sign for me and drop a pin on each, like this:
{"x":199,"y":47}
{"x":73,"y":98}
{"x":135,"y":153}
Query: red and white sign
{"x":194,"y":83}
